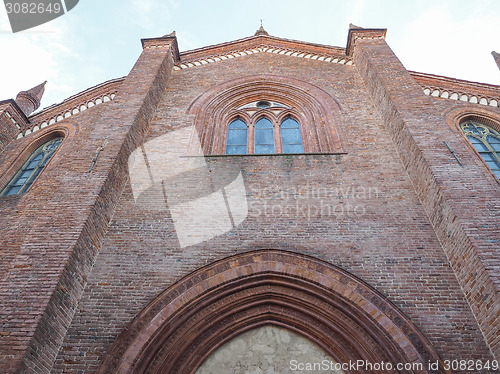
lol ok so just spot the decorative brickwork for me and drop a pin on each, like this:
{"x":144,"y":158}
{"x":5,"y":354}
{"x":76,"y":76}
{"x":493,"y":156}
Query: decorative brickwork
{"x":263,"y":49}
{"x":467,"y":229}
{"x":262,"y":44}
{"x":100,"y":94}
{"x":346,"y":317}
{"x":133,"y":251}
{"x":318,"y":112}
{"x":12,"y":119}
{"x":457,"y":89}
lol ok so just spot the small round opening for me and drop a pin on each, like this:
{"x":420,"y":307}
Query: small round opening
{"x":263,"y":104}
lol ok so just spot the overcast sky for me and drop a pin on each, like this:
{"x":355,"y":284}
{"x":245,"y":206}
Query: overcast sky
{"x":100,"y":40}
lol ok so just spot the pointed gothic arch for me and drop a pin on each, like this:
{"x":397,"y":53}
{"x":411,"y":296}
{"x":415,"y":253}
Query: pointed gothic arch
{"x":349,"y":319}
{"x":63,"y":130}
{"x":317,"y":111}
{"x":457,"y":117}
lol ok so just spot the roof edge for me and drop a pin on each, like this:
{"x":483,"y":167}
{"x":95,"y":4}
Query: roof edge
{"x":16,"y":107}
{"x":260,"y":37}
{"x":452,"y":80}
{"x":81,"y":93}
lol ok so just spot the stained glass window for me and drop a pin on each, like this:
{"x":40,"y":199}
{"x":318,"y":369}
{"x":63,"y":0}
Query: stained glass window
{"x":486,"y":140}
{"x":30,"y":170}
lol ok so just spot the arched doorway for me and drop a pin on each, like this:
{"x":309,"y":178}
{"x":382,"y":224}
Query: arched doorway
{"x":340,"y":313}
{"x":269,"y":349}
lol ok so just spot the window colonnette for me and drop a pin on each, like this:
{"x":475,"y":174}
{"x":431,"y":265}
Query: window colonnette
{"x":260,"y":129}
{"x":264,"y":141}
{"x":252,"y":97}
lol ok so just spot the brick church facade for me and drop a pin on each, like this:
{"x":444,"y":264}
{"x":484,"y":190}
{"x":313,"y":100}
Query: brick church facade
{"x":256,"y":188}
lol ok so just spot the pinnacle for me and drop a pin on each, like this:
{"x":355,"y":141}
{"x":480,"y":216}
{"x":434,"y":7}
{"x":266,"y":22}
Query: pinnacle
{"x":496,"y":56}
{"x":29,"y":101}
{"x":261,"y":31}
{"x":38,"y":91}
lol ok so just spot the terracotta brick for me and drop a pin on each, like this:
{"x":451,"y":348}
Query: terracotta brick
{"x":377,"y":212}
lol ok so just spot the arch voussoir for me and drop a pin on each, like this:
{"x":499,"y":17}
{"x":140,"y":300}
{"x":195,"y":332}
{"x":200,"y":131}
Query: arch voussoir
{"x":339,"y":312}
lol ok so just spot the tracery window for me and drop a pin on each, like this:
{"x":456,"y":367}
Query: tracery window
{"x":31,"y":168}
{"x":264,"y":127}
{"x":486,"y":141}
{"x":282,"y":100}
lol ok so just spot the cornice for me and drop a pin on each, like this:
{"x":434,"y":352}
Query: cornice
{"x":356,"y":33}
{"x":162,"y":43}
{"x":262,"y":44}
{"x":73,"y":105}
{"x":458,"y":89}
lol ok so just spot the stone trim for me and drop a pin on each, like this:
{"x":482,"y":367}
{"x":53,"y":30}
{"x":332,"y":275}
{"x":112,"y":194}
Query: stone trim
{"x":264,"y":48}
{"x":461,"y":96}
{"x":164,"y":42}
{"x":12,"y":119}
{"x":458,"y":89}
{"x":349,"y":319}
{"x":13,"y":113}
{"x":84,"y":100}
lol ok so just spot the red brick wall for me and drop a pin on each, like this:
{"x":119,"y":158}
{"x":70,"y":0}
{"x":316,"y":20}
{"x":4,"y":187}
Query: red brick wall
{"x":395,"y":210}
{"x":10,"y":114}
{"x":385,"y":236}
{"x":51,"y":235}
{"x":454,"y":197}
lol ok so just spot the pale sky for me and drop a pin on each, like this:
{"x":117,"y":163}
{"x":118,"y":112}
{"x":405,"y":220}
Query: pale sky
{"x":100,"y":40}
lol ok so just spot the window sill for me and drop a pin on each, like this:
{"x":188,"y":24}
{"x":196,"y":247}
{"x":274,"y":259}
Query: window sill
{"x":273,"y":154}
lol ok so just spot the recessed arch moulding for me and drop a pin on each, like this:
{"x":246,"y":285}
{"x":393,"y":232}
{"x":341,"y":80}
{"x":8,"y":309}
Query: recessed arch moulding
{"x":346,"y":317}
{"x":318,"y":112}
{"x":456,"y":116}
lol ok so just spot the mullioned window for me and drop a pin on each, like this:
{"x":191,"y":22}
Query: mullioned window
{"x":486,"y":141}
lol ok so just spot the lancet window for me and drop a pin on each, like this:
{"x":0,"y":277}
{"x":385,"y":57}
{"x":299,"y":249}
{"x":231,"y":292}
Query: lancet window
{"x":264,"y":127}
{"x":31,"y":169}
